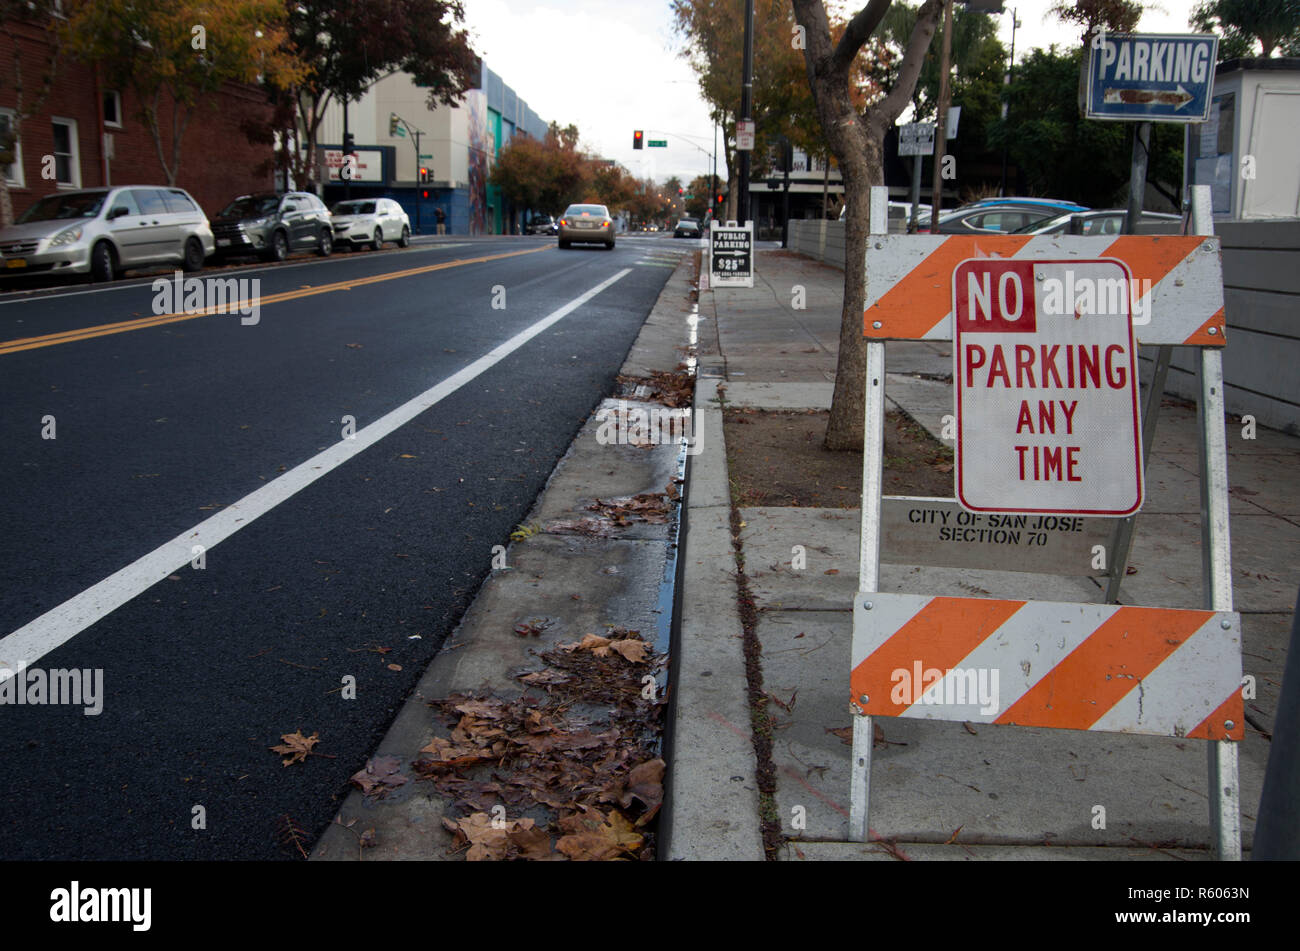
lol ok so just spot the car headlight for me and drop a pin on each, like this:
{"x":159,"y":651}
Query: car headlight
{"x":66,"y":236}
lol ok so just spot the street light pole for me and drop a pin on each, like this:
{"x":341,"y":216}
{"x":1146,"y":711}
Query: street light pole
{"x":746,"y":107}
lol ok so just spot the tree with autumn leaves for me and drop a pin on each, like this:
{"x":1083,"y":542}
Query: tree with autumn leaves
{"x":174,"y":55}
{"x":547,"y":175}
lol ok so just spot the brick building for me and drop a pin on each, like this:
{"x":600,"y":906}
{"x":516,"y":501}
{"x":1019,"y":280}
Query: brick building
{"x":96,"y":137}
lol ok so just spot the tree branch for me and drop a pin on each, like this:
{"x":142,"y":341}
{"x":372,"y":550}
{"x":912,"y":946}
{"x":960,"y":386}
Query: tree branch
{"x":891,"y":107}
{"x":857,"y":33}
{"x":811,"y":15}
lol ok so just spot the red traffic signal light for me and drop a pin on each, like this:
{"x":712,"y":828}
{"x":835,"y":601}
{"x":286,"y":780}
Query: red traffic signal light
{"x":637,"y":140}
{"x":424,"y":193}
{"x":424,"y":175}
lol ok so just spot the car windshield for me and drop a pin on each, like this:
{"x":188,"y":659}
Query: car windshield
{"x":354,"y":208}
{"x":577,"y":210}
{"x":686,"y":223}
{"x":57,"y":207}
{"x":251,"y":206}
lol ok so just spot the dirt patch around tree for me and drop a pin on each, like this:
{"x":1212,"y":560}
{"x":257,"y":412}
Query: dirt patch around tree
{"x":776,"y":458}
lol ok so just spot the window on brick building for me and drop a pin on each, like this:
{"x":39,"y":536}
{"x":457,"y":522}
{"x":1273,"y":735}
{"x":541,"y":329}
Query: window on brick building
{"x":13,"y":171}
{"x":67,"y":163}
{"x":113,"y":110}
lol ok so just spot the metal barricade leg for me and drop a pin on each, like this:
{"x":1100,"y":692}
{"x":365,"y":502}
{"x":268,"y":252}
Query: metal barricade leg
{"x":873,"y":448}
{"x":1216,"y":562}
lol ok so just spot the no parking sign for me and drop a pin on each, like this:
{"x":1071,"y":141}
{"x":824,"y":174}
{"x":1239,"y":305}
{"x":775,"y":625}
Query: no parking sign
{"x":1046,"y":378}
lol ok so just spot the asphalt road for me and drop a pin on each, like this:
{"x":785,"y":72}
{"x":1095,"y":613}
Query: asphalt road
{"x":357,"y":561}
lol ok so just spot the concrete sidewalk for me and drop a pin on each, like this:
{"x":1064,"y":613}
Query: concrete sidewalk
{"x":941,"y":790}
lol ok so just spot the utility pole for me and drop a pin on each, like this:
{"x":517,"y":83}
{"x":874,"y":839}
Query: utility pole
{"x":1006,"y":98}
{"x":941,"y":126}
{"x":746,"y":107}
{"x":347,"y":179}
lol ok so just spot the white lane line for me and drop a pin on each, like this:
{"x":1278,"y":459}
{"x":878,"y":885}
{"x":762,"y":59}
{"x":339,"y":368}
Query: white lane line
{"x":59,"y":625}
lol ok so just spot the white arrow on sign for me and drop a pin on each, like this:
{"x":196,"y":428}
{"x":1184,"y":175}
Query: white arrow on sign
{"x":730,"y":254}
{"x":1176,"y":99}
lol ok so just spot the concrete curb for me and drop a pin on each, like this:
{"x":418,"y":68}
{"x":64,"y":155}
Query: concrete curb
{"x":712,"y":803}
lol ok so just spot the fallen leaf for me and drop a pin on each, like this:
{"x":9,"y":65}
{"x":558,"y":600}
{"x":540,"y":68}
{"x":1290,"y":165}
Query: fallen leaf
{"x":645,"y":783}
{"x":379,"y":775}
{"x":597,"y":838}
{"x":295,"y":747}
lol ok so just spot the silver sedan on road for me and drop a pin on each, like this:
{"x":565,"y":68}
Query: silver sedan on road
{"x":587,"y":223}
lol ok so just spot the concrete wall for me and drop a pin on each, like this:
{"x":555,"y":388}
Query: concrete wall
{"x":1261,"y":291}
{"x":821,"y":240}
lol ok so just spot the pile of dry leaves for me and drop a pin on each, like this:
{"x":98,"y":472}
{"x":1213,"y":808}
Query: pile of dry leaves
{"x":571,"y":769}
{"x":671,"y":388}
{"x":653,"y":508}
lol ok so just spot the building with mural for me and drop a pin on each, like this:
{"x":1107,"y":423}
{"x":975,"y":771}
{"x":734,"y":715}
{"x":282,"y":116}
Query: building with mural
{"x":457,"y":146}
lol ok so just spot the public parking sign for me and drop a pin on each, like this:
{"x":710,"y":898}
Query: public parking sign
{"x":1150,"y":77}
{"x":731,"y":254}
{"x":1046,"y":379}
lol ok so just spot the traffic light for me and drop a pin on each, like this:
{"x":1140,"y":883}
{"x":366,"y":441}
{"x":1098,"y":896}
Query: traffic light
{"x":679,"y":191}
{"x":638,"y":140}
{"x":349,"y":143}
{"x":424,"y":175}
{"x":392,"y":124}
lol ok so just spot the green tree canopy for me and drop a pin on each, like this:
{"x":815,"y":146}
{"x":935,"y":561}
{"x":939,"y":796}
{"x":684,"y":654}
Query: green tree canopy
{"x":1241,"y":24}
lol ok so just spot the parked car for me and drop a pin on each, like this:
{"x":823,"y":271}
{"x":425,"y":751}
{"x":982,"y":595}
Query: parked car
{"x":103,"y":231}
{"x":1097,"y":221}
{"x":686,"y":228}
{"x":273,"y":226}
{"x":1001,"y":216}
{"x":543,"y":224}
{"x":587,"y":223}
{"x":370,"y":221}
{"x":900,"y":213}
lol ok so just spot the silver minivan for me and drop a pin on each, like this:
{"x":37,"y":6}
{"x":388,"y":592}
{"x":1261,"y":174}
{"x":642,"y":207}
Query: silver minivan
{"x":104,"y":231}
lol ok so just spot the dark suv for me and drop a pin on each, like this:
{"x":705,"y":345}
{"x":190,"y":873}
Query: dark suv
{"x":543,"y":224}
{"x":273,"y":226}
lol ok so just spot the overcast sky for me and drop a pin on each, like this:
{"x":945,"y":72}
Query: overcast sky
{"x":612,"y":66}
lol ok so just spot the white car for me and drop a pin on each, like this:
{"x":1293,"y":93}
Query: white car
{"x":370,"y":221}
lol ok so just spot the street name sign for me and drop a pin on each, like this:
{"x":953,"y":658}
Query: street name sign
{"x":657,"y":143}
{"x":916,"y":138}
{"x":731,"y":254}
{"x":1046,"y":379}
{"x":1150,"y":77}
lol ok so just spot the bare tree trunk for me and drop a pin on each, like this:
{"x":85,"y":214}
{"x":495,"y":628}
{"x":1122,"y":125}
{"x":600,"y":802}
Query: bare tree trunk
{"x":857,"y":142}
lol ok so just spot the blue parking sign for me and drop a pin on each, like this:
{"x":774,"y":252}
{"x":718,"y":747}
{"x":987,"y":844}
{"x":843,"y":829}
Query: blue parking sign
{"x":1150,"y":77}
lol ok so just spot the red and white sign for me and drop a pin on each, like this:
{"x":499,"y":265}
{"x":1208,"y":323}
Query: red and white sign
{"x":1046,"y":380}
{"x":745,"y":135}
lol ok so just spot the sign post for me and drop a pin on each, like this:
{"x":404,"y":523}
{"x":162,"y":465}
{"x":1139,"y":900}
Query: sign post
{"x":917,"y":140}
{"x":731,"y":254}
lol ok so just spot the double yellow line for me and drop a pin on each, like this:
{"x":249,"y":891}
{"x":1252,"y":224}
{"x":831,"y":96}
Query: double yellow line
{"x":104,"y":330}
